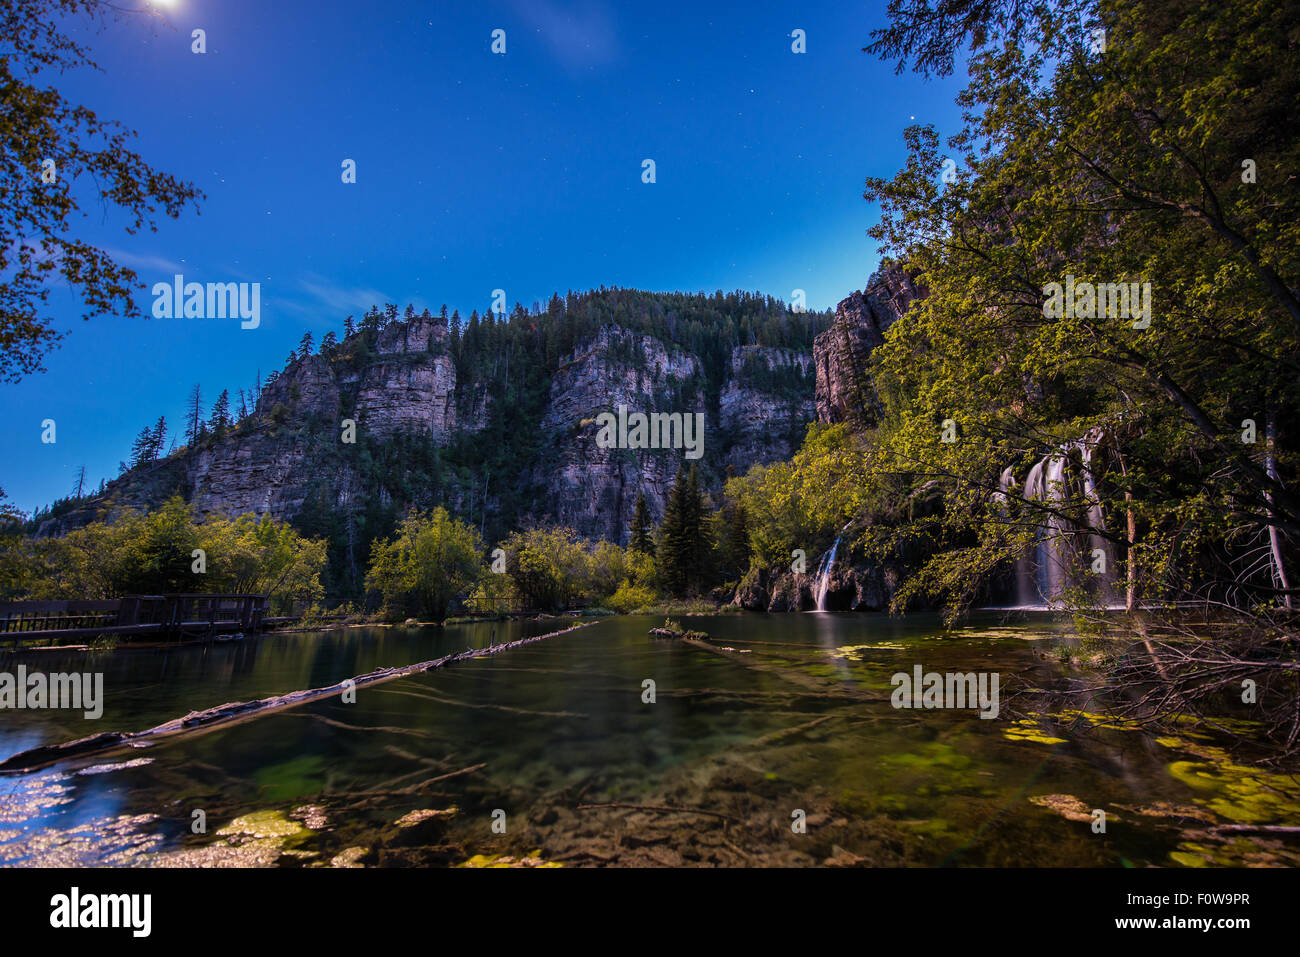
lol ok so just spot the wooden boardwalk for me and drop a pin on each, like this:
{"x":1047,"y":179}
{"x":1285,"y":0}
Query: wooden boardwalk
{"x":167,"y":617}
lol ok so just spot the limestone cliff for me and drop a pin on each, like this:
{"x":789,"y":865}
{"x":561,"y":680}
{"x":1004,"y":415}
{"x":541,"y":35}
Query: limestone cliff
{"x":422,"y":432}
{"x":844,"y":392}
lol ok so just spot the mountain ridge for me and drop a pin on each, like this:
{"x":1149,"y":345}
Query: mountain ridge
{"x":494,"y":418}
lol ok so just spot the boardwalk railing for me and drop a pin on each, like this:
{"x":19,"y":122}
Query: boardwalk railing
{"x":174,"y":617}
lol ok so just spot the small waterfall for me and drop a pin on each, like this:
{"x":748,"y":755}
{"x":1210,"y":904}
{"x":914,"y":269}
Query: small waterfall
{"x":824,"y":573}
{"x":1062,"y":555}
{"x":1097,"y":520}
{"x":1052,"y":558}
{"x":1026,"y":587}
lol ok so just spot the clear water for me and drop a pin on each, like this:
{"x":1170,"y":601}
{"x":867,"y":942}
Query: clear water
{"x":800,"y":727}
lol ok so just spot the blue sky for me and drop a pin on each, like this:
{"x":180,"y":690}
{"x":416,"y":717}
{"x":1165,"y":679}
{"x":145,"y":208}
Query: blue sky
{"x":475,"y":171}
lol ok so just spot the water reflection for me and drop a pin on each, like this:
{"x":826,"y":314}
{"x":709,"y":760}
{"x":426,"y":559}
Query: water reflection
{"x":778,"y":713}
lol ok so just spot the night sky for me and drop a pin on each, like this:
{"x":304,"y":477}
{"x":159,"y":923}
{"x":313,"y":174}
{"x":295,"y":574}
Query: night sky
{"x":475,"y":171}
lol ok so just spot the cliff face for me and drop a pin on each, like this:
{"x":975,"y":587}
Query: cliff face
{"x":424,"y":425}
{"x":413,"y":387}
{"x":764,"y":406}
{"x":841,"y":353}
{"x":270,"y":466}
{"x":403,"y":392}
{"x":594,"y":489}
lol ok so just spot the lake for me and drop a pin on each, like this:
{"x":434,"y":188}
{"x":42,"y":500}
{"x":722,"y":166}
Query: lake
{"x":774,"y":743}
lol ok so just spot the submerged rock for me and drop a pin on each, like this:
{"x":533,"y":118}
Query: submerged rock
{"x":421,"y":827}
{"x":1069,"y":807}
{"x":349,"y":857}
{"x":532,"y":859}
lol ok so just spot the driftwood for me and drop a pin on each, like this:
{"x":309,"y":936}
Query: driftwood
{"x":225,"y":714}
{"x":1255,"y":829}
{"x":685,"y":635}
{"x":660,"y":809}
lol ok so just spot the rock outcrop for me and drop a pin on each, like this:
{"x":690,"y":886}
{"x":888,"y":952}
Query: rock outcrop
{"x":414,"y":387}
{"x":844,"y":392}
{"x":851,"y":587}
{"x":765,"y":405}
{"x":404,"y":389}
{"x":594,"y":489}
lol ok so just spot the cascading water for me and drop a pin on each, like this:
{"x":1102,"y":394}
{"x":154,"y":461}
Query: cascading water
{"x":1052,"y":558}
{"x":1025,"y":575}
{"x":1105,"y":579}
{"x":1059,"y":558}
{"x":824,"y":575}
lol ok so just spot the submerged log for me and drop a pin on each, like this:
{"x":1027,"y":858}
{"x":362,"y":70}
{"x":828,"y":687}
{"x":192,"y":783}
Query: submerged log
{"x":225,"y":714}
{"x":684,"y":635}
{"x":658,"y":809}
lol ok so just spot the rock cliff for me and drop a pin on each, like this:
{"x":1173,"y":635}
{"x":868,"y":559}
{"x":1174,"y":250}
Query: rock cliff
{"x":402,"y":390}
{"x":844,"y":392}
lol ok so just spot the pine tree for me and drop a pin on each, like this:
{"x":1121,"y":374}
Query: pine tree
{"x":737,"y":540}
{"x":695,"y":534}
{"x":80,"y":485}
{"x":305,"y":345}
{"x":349,"y":328}
{"x":329,"y":344}
{"x":641,"y":527}
{"x":141,"y":448}
{"x":682,"y":541}
{"x":194,"y":415}
{"x":158,"y":438}
{"x":220,"y":420}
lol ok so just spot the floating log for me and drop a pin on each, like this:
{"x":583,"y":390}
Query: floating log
{"x":683,"y":635}
{"x":232,"y":712}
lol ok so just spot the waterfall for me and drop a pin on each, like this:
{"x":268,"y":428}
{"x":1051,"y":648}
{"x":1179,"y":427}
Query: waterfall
{"x":1026,"y":588}
{"x":824,"y":573}
{"x":1097,"y":520}
{"x":1062,"y":555}
{"x":1052,"y":559}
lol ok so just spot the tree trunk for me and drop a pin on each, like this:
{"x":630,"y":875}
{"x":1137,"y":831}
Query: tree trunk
{"x":1130,"y":566}
{"x":1130,"y":535}
{"x":1274,"y":536}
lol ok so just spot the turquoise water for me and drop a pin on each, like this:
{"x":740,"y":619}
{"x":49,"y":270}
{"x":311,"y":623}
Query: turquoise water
{"x":777,"y":721}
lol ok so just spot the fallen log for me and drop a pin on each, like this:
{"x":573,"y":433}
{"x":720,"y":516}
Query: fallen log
{"x":232,"y":712}
{"x":1256,"y":829}
{"x":684,"y":635}
{"x":659,"y":809}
